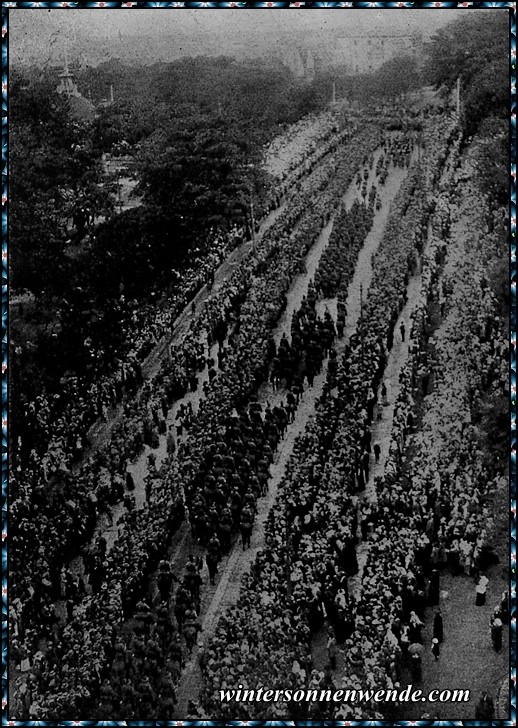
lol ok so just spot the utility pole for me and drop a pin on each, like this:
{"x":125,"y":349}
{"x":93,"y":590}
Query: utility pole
{"x":252,"y":217}
{"x":119,"y":198}
{"x":361,"y":322}
{"x":419,"y":145}
{"x":420,"y":141}
{"x":249,"y":183}
{"x":288,"y":548}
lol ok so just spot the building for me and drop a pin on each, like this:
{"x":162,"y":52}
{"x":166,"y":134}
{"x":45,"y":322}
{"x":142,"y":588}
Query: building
{"x":310,"y":67}
{"x":352,"y":54}
{"x":364,"y":54}
{"x":80,"y":108}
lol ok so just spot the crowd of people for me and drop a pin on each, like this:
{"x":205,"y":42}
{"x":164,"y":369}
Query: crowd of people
{"x":314,"y":136}
{"x":125,"y":651}
{"x":54,"y":436}
{"x":301,"y":577}
{"x":66,"y":516}
{"x":53,"y":423}
{"x":55,"y":427}
{"x":54,"y":430}
{"x":49,"y":456}
{"x":338,"y":260}
{"x":253,"y":358}
{"x":432,"y":513}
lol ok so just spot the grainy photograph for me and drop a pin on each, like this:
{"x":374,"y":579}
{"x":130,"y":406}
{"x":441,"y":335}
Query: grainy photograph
{"x":258,"y":351}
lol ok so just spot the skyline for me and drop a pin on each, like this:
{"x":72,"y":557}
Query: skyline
{"x":37,"y":37}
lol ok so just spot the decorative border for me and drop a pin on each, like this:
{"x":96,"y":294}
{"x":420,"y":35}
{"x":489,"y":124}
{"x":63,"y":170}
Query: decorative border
{"x":265,"y":6}
{"x":512,"y":188}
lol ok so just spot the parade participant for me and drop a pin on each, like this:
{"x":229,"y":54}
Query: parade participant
{"x":213,"y":557}
{"x":438,"y":632}
{"x":436,"y":650}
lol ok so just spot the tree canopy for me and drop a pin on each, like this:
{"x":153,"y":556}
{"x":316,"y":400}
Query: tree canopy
{"x":195,"y":131}
{"x":56,"y":185}
{"x":476,"y":50}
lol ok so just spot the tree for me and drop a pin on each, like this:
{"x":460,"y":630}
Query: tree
{"x":194,"y":172}
{"x":474,"y":49}
{"x":37,"y":230}
{"x":56,"y":186}
{"x":397,"y":77}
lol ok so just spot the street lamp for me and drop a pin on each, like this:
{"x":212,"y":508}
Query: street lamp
{"x":119,"y":196}
{"x":361,"y":324}
{"x":252,"y":216}
{"x":287,"y":518}
{"x":249,"y":184}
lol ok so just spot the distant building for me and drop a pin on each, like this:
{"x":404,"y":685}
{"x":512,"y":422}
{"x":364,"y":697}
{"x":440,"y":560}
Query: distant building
{"x":83,"y":63}
{"x":355,"y":54}
{"x":293,"y":57}
{"x":80,"y":108}
{"x":310,"y":67}
{"x":364,"y":54}
{"x":109,"y":101}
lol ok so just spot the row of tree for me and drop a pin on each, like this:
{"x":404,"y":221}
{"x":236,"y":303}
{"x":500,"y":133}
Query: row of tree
{"x":196,"y":129}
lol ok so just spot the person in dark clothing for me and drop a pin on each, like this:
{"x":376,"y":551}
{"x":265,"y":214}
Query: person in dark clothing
{"x":365,"y":465}
{"x":416,"y":668}
{"x":434,"y":588}
{"x":496,"y":634}
{"x":504,"y":607}
{"x":402,"y":330}
{"x":489,"y":707}
{"x":485,"y":708}
{"x":213,"y":557}
{"x":170,"y":442}
{"x":377,"y":452}
{"x":436,"y":650}
{"x":438,"y":630}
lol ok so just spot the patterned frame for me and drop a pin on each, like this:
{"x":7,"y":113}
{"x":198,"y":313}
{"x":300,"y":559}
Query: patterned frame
{"x":512,"y":174}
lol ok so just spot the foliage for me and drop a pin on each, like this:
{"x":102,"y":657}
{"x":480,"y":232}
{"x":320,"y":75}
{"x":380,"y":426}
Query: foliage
{"x":56,"y":186}
{"x":474,"y":49}
{"x":195,"y":131}
{"x":396,"y":78}
{"x":253,"y":95}
{"x":197,"y":176}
